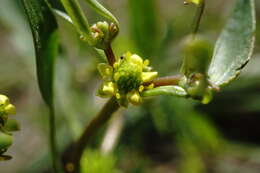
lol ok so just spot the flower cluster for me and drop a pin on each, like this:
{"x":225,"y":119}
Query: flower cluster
{"x":6,"y":109}
{"x":6,"y":126}
{"x":125,"y":80}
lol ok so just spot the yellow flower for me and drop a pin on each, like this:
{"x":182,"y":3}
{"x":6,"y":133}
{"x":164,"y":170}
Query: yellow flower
{"x":5,"y":109}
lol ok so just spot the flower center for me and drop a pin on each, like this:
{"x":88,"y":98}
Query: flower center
{"x":128,"y":76}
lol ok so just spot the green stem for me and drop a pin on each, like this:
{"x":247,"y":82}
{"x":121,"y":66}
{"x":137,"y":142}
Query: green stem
{"x":53,"y":142}
{"x":197,"y":18}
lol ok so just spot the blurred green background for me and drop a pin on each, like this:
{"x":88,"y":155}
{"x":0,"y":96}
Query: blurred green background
{"x":165,"y":134}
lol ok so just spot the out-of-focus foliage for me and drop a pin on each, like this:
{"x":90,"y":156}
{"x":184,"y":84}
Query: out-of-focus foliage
{"x":94,"y":161}
{"x":163,"y":135}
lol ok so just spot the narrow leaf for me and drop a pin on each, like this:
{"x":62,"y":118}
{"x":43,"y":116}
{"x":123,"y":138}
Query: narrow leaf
{"x":63,"y":15}
{"x":102,"y":10}
{"x":165,"y":90}
{"x":44,"y":30}
{"x":78,"y":18}
{"x":235,"y":44}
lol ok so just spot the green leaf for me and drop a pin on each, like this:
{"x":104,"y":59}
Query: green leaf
{"x":78,"y":18}
{"x":56,"y":4}
{"x":102,"y":11}
{"x":63,"y":15}
{"x":165,"y":90}
{"x":144,"y":25}
{"x":58,"y":9}
{"x":12,"y":125}
{"x":44,"y":30}
{"x":235,"y":44}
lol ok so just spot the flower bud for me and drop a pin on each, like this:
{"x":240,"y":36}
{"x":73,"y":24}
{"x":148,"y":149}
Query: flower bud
{"x":3,"y":100}
{"x":134,"y":98}
{"x":10,"y":109}
{"x":103,"y":34}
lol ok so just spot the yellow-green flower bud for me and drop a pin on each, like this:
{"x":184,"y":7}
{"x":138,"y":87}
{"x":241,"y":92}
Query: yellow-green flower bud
{"x":3,"y":100}
{"x":10,"y":109}
{"x":109,"y":88}
{"x":105,"y":71}
{"x":134,"y":98}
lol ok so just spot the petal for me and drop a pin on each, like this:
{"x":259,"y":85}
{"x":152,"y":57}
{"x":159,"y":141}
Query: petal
{"x":148,"y":76}
{"x":4,"y":100}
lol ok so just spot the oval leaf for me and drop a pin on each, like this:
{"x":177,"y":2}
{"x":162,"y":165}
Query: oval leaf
{"x":165,"y":90}
{"x":44,"y":30}
{"x":235,"y":44}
